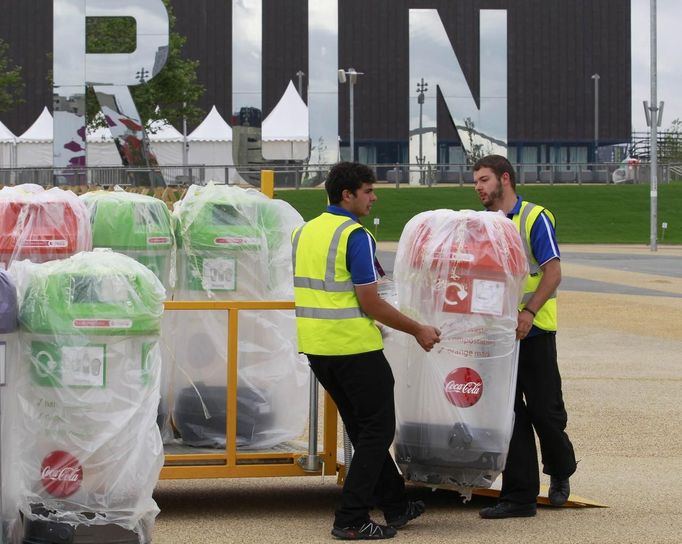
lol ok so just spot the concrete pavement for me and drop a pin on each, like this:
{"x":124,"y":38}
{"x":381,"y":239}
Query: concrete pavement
{"x":620,"y":346}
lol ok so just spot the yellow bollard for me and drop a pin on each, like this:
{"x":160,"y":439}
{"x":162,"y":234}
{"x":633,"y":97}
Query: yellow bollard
{"x":267,"y":183}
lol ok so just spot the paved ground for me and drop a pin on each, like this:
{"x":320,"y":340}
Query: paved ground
{"x":620,"y":350}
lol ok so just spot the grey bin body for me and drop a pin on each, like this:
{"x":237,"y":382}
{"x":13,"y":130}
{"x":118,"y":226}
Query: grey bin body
{"x":8,"y":327}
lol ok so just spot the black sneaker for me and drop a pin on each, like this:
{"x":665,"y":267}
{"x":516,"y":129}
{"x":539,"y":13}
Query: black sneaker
{"x":413,"y":510}
{"x":505,"y":509}
{"x":559,"y":491}
{"x":365,"y":531}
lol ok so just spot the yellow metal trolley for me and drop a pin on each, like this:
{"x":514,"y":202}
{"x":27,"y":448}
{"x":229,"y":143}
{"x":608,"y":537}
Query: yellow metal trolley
{"x":229,"y":463}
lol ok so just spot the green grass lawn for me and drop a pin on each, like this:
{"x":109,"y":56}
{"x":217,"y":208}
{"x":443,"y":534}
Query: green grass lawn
{"x":590,"y":214}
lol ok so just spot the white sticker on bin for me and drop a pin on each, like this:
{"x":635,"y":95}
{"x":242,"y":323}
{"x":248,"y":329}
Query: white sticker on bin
{"x":45,"y":243}
{"x":487,"y":297}
{"x":219,"y":274}
{"x":102,"y":323}
{"x":83,"y":366}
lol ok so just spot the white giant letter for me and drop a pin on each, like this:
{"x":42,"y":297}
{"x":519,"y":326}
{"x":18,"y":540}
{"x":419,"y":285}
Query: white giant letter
{"x":482,"y":126}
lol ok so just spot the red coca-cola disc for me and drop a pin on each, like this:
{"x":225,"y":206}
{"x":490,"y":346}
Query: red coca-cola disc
{"x":463,"y":387}
{"x":61,"y":474}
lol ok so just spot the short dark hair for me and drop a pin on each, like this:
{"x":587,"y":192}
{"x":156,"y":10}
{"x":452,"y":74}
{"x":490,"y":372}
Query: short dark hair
{"x":347,"y":175}
{"x":499,"y":165}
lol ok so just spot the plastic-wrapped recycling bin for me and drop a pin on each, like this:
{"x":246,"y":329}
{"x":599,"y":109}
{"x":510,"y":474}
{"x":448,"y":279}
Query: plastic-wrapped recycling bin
{"x":464,"y":272}
{"x":8,"y":344}
{"x":41,"y":225}
{"x":136,"y":225}
{"x":234,"y":244}
{"x":86,"y":450}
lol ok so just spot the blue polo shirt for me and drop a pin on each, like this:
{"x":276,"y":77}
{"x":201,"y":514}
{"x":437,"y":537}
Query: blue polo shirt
{"x":360,"y":253}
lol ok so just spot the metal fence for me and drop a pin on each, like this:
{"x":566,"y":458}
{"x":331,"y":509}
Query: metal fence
{"x":536,"y":173}
{"x":297,"y":176}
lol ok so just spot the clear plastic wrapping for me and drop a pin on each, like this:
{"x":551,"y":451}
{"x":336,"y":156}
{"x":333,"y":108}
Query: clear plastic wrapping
{"x":8,"y":345}
{"x":83,"y":393}
{"x":139,"y":226}
{"x":8,"y":304}
{"x":462,"y":271}
{"x":234,"y":244}
{"x":41,"y":225}
{"x":136,"y":225}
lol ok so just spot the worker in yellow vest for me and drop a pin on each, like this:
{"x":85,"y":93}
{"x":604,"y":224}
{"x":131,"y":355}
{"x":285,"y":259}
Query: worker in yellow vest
{"x":539,"y":401}
{"x":337,"y":303}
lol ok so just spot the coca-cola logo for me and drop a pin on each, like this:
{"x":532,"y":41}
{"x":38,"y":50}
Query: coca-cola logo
{"x":463,"y":387}
{"x":61,"y":474}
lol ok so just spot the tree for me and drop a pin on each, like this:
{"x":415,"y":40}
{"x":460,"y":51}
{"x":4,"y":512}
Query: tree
{"x":475,"y":150}
{"x":174,"y":91}
{"x":11,"y":82}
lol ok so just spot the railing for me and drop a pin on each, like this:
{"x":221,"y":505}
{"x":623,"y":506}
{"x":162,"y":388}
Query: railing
{"x":301,"y":176}
{"x":675,"y":172}
{"x":231,"y":463}
{"x":530,"y":173}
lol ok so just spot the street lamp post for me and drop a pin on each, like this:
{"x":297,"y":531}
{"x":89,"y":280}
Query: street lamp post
{"x":185,"y":145}
{"x":352,"y":78}
{"x":141,"y":75}
{"x":422,"y":87}
{"x":300,"y":75}
{"x":350,"y":75}
{"x":312,"y":461}
{"x":654,"y":132}
{"x":596,"y":78}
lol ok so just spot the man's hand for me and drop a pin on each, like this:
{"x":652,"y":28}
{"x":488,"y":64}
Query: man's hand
{"x":523,"y":324}
{"x":551,"y":278}
{"x":427,"y":337}
{"x":380,"y":310}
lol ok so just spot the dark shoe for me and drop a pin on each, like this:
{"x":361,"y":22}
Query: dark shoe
{"x":559,"y":491}
{"x":414,"y":510}
{"x":509,"y":510}
{"x":365,"y":531}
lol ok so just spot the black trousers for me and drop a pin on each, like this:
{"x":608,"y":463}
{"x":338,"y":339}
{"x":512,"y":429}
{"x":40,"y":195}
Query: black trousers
{"x":539,"y":405}
{"x":362,"y":388}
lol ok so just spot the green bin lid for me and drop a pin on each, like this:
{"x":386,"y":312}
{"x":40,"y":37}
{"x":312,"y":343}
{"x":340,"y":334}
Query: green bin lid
{"x":92,"y":293}
{"x":226,"y":218}
{"x":129,"y":221}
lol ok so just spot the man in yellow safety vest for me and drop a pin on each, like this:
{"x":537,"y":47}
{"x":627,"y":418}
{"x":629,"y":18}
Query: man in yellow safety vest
{"x":539,"y":401}
{"x":337,"y":303}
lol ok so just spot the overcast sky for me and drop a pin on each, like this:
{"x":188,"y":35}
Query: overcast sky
{"x":669,"y":60}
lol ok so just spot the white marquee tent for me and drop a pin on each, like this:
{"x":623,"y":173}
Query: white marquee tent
{"x":166,"y":143}
{"x":285,"y":136}
{"x":211,"y":144}
{"x":34,"y":147}
{"x":285,"y":132}
{"x":7,"y":147}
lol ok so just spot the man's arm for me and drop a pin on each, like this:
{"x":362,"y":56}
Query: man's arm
{"x":549,"y":283}
{"x":380,"y":310}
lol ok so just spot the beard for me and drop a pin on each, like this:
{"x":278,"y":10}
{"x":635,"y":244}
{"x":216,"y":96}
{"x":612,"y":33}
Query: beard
{"x":495,"y":196}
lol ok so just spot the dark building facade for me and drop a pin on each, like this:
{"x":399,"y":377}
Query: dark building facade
{"x":554,"y":46}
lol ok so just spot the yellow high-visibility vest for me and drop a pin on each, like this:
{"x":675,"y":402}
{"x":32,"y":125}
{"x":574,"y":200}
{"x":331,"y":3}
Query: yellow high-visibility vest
{"x":546,"y":316}
{"x":329,"y":320}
